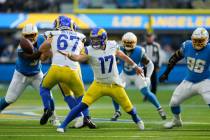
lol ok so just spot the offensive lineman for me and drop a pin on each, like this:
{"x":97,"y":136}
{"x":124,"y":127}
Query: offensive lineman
{"x":196,"y":52}
{"x":137,"y":54}
{"x":101,"y":56}
{"x":27,"y":71}
{"x":64,"y":72}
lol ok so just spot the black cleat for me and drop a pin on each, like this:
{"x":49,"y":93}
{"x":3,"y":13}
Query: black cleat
{"x":162,"y":113}
{"x":116,"y":115}
{"x":47,"y":114}
{"x":88,"y":122}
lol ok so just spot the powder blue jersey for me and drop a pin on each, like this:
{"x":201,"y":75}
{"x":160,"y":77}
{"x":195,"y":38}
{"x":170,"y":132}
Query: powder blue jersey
{"x":29,"y":67}
{"x":197,"y":62}
{"x":136,"y":55}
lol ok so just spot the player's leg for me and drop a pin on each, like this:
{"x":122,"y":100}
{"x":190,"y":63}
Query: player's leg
{"x":181,"y":93}
{"x":204,"y":90}
{"x":37,"y":79}
{"x":144,"y":88}
{"x":48,"y":81}
{"x":16,"y":87}
{"x":71,"y":101}
{"x":76,"y":85}
{"x":122,"y":98}
{"x":93,"y":93}
{"x":117,"y":112}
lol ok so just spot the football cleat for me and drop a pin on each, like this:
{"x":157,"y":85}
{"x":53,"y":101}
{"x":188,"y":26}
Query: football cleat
{"x":162,"y":113}
{"x":116,"y":115}
{"x":88,"y":122}
{"x":47,"y":114}
{"x":141,"y":125}
{"x":79,"y":122}
{"x":174,"y":123}
{"x":60,"y":130}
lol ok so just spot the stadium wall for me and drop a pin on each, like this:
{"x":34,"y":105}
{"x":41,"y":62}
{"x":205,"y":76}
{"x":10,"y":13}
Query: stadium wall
{"x":7,"y":70}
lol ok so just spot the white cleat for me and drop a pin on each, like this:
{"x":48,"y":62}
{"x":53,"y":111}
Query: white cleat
{"x":54,"y":120}
{"x":60,"y":130}
{"x":79,"y":122}
{"x":141,"y":125}
{"x":173,"y":123}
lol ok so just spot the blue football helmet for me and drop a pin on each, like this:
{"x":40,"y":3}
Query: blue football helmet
{"x":64,"y":23}
{"x":98,"y":37}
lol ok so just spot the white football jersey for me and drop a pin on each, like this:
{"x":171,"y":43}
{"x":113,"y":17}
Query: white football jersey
{"x":104,"y":64}
{"x":65,"y":41}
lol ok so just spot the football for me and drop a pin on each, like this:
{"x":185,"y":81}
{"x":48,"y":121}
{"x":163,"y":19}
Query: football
{"x":26,"y":45}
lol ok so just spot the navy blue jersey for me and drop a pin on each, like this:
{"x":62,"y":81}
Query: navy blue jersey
{"x":136,"y":56}
{"x":197,"y":62}
{"x":29,"y":67}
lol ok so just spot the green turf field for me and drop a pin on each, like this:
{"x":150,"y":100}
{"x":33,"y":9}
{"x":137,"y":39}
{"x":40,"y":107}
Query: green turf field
{"x":21,"y":120}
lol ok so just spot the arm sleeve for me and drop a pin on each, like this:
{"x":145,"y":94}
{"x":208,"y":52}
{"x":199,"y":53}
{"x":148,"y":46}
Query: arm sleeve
{"x":178,"y":55}
{"x":148,"y":64}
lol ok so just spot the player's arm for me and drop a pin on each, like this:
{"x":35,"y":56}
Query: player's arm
{"x":33,"y":56}
{"x":129,"y":61}
{"x":75,"y":57}
{"x":45,"y":49}
{"x":148,"y":64}
{"x":178,"y":55}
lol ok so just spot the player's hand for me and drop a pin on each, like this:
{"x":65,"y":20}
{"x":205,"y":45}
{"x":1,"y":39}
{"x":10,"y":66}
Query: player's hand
{"x":139,"y":71}
{"x":163,"y":77}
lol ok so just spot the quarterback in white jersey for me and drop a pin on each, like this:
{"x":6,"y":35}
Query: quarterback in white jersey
{"x":101,"y":56}
{"x":64,"y":72}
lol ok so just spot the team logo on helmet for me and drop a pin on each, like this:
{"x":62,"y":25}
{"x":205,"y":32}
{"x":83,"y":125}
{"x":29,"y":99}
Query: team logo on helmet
{"x":64,"y":23}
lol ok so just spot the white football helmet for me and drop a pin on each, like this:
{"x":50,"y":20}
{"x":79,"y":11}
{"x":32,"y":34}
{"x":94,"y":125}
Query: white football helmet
{"x":200,"y":38}
{"x":129,"y":41}
{"x":30,"y":32}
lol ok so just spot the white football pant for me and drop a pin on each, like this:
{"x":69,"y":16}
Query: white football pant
{"x":187,"y":89}
{"x":19,"y":83}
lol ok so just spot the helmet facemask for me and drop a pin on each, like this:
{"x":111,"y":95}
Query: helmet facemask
{"x":199,"y":43}
{"x":32,"y":37}
{"x":129,"y":45}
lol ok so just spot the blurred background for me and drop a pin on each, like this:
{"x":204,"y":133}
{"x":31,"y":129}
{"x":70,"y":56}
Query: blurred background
{"x":171,"y":22}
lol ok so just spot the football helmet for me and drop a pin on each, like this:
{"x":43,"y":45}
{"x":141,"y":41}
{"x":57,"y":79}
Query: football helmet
{"x":30,"y":32}
{"x":200,"y":38}
{"x":129,"y":41}
{"x":64,"y":23}
{"x":98,"y":37}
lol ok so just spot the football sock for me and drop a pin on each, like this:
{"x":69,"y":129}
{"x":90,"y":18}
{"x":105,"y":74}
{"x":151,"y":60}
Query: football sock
{"x":73,"y":114}
{"x":46,"y":98}
{"x":3,"y":103}
{"x":85,"y":111}
{"x":52,"y":103}
{"x":151,"y":97}
{"x":71,"y":101}
{"x":134,"y":115}
{"x":116,"y":106}
{"x":176,"y":110}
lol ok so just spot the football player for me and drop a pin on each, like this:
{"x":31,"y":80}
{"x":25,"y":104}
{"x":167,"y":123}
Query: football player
{"x":137,"y":54}
{"x":64,"y":72}
{"x":101,"y":56}
{"x":196,"y":52}
{"x":27,"y":71}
